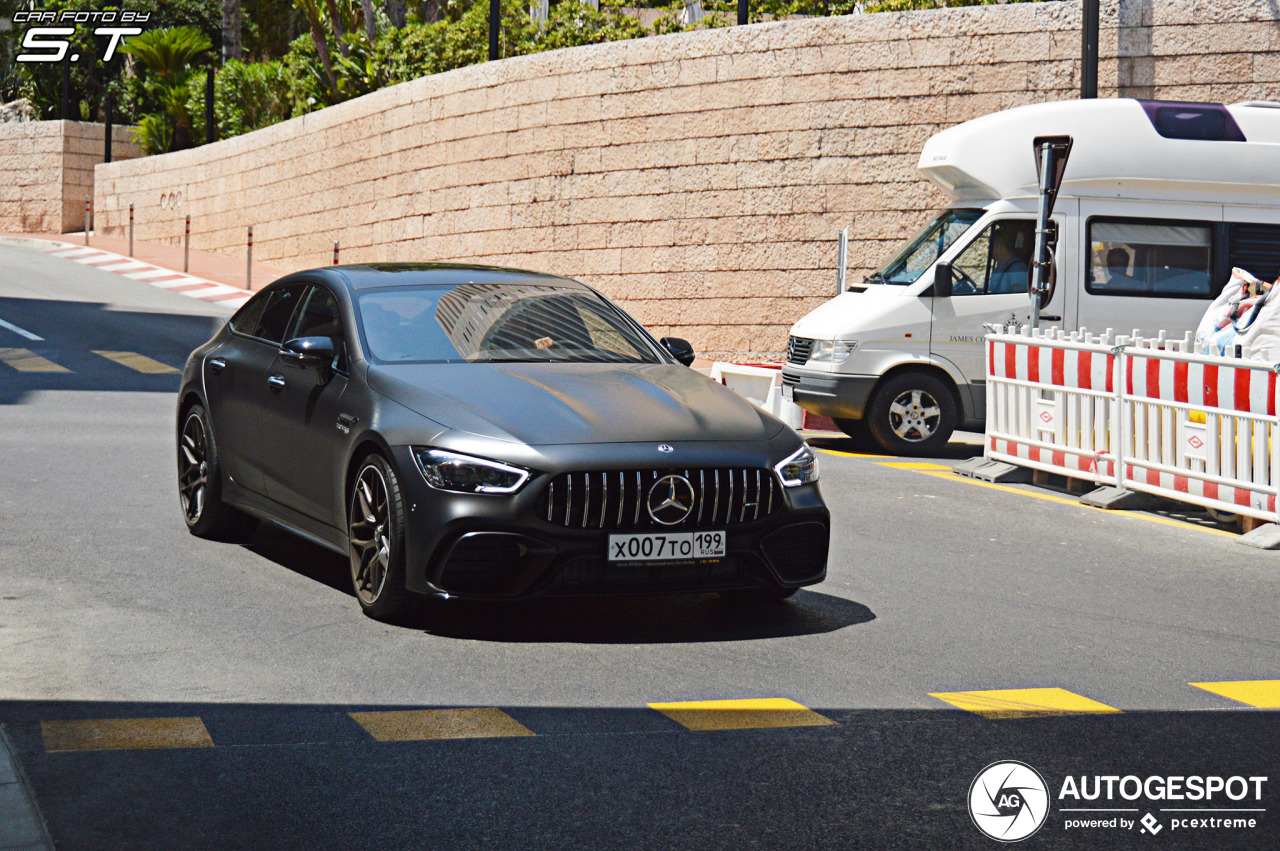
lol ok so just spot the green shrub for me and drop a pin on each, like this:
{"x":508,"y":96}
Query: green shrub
{"x":250,"y":95}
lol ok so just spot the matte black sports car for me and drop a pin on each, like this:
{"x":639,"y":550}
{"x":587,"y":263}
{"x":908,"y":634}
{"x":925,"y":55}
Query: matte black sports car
{"x":490,"y":433}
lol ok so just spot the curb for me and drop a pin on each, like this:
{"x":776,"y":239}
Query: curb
{"x":22,"y":828}
{"x":141,"y":271}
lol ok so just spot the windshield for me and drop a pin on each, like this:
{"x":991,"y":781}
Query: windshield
{"x":508,"y":323}
{"x":920,"y":253}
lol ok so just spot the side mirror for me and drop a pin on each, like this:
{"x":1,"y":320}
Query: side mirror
{"x":679,"y":349}
{"x":943,"y":278}
{"x":308,"y":352}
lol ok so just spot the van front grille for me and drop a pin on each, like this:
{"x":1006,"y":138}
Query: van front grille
{"x":798,"y":349}
{"x":618,"y":499}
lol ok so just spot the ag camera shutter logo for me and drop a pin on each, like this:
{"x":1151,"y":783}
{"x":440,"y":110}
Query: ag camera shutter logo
{"x":1008,"y":801}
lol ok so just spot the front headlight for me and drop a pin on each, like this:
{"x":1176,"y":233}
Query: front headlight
{"x":829,"y":351}
{"x":450,"y":471}
{"x":801,"y":468}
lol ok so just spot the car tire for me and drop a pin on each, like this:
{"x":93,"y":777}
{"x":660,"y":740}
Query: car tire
{"x":913,"y":413}
{"x":200,"y":483}
{"x":771,"y":594}
{"x":375,"y":531}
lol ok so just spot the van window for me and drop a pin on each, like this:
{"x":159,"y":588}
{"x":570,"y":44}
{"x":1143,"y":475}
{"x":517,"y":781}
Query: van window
{"x":1130,"y":257}
{"x":998,"y":261}
{"x":921,"y":252}
{"x":1256,"y":248}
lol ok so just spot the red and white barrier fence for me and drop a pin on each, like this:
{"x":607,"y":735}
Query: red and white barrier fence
{"x":1147,"y":415}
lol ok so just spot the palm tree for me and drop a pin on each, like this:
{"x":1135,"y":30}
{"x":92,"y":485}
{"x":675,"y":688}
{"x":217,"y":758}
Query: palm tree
{"x":167,"y":53}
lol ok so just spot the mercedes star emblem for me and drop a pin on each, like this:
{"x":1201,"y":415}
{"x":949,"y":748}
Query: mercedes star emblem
{"x":670,"y":500}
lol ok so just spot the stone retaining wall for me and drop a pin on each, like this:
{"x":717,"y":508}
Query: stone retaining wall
{"x":46,"y":170}
{"x":699,"y":178}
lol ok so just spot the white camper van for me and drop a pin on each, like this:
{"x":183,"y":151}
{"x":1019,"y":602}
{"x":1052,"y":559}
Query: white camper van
{"x":1158,"y":201}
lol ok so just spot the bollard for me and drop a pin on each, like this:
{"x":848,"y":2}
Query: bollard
{"x":335,"y":253}
{"x":130,"y":228}
{"x":248,"y":262}
{"x":186,"y":245}
{"x":86,"y":220}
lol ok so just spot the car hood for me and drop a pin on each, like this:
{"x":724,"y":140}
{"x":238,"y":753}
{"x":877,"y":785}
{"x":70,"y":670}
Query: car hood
{"x":549,"y":404}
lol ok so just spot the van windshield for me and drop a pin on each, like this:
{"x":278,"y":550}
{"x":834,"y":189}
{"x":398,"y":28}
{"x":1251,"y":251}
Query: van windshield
{"x":920,"y":253}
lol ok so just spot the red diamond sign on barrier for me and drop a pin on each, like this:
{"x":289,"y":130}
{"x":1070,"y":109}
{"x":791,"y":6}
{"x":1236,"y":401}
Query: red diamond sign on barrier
{"x":1046,"y":416}
{"x":1194,"y":442}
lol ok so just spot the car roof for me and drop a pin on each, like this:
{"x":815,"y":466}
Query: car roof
{"x":366,"y":276}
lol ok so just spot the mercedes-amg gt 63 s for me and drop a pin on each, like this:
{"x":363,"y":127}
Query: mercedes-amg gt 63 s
{"x":474,"y":432}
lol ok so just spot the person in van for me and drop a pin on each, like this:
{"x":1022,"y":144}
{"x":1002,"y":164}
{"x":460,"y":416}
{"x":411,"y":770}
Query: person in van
{"x":1010,"y":273}
{"x":1117,"y":277}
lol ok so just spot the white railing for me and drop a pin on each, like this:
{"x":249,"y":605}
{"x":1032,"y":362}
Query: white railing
{"x":1148,"y":415}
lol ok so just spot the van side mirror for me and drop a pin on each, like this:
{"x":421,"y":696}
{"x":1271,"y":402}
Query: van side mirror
{"x":679,"y":349}
{"x":943,"y":277}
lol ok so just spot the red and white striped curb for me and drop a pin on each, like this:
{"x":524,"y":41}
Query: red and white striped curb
{"x":147,"y":273}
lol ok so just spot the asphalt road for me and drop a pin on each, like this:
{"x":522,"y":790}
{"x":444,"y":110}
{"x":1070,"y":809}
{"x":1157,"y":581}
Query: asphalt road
{"x":111,"y":614}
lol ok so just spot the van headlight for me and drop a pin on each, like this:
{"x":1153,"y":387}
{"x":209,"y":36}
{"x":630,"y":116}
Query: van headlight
{"x":832,"y":351}
{"x":800,"y":468}
{"x":450,"y":471}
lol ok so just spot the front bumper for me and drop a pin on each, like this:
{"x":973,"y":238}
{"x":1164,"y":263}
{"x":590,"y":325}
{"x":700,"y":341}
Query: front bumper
{"x":485,"y":547}
{"x":838,"y":396}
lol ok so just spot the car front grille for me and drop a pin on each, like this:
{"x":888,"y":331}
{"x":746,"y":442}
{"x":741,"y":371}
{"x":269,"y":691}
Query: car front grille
{"x":617,"y":499}
{"x":798,"y":349}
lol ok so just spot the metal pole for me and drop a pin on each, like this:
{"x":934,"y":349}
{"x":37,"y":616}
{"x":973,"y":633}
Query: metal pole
{"x":1089,"y":50}
{"x":842,"y":260}
{"x":106,"y":135}
{"x":248,"y":262}
{"x":335,"y":253}
{"x":186,"y":245}
{"x":130,"y":228}
{"x":210,"y":127}
{"x":1042,"y":237}
{"x":743,"y":12}
{"x":86,"y":220}
{"x":495,"y":16}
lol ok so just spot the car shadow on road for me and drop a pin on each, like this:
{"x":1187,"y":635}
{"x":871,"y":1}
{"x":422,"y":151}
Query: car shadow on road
{"x":659,"y":619}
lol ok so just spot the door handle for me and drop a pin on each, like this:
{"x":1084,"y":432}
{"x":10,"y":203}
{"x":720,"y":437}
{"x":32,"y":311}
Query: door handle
{"x":217,"y":365}
{"x":1051,"y":318}
{"x":276,"y":382}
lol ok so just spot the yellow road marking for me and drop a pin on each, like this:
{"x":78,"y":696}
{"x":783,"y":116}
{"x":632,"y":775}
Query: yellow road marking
{"x":912,"y":465}
{"x":140,"y":363}
{"x":1023,"y":702}
{"x":25,"y":360}
{"x":850,"y":454}
{"x":741,"y":714}
{"x":418,"y":725}
{"x":124,"y":734}
{"x":1264,"y":694}
{"x":1137,"y":515}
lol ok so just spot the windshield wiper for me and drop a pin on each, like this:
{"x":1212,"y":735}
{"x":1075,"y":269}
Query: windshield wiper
{"x":873,"y":278}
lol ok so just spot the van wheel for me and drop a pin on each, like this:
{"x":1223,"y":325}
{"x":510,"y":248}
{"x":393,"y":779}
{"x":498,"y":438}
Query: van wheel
{"x":857,"y":429}
{"x":912,"y":413}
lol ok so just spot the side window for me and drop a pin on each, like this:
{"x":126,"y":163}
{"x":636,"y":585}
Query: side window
{"x":277,"y":313}
{"x":1256,"y":248}
{"x":246,"y":318}
{"x":319,"y":317}
{"x":998,"y":261}
{"x":1130,"y":257}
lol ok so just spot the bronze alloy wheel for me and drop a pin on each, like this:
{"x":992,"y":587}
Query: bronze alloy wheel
{"x":375,"y":529}
{"x":193,"y":468}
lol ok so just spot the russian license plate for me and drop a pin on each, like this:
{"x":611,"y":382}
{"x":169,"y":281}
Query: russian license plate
{"x":669,"y":546}
{"x":788,"y":392}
